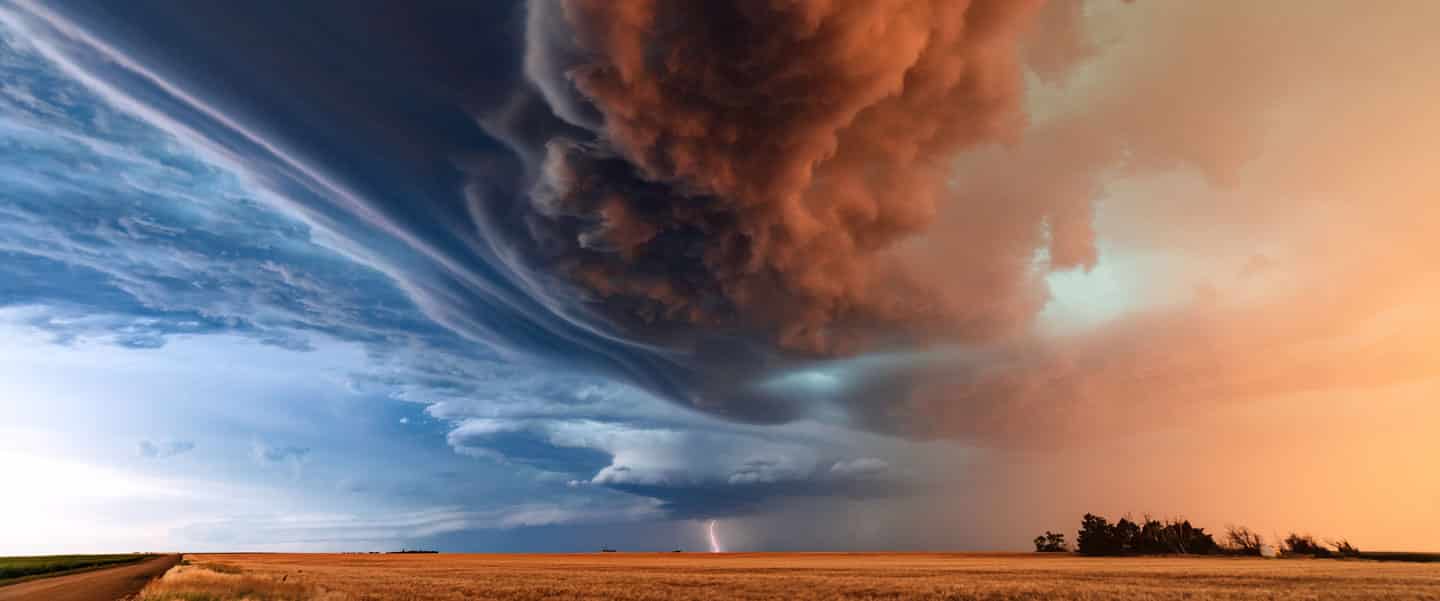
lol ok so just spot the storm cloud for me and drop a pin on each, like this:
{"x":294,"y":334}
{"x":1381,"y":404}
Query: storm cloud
{"x":752,"y":163}
{"x":808,"y":180}
{"x":832,"y":230}
{"x":735,"y":200}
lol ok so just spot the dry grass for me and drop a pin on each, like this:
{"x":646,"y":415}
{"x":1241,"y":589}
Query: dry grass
{"x":653,"y":577}
{"x":225,"y":582}
{"x":656,"y":577}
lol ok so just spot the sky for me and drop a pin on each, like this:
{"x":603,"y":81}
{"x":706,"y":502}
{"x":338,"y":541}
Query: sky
{"x":554,"y":275}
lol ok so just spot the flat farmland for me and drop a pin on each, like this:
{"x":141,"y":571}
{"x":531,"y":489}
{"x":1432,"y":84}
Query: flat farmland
{"x":773,"y":576}
{"x":21,"y":567}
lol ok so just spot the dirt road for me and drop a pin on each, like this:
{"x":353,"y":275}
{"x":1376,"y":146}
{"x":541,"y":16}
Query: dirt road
{"x":109,"y":584}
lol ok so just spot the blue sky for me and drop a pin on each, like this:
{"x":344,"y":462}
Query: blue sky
{"x":167,"y":326}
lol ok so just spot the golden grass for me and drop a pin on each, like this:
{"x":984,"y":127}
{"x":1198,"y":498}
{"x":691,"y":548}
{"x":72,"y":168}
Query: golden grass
{"x":225,"y":582}
{"x":814,"y":576}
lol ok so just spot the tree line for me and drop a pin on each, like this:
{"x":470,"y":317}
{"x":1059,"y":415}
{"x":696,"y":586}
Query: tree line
{"x":1149,"y":536}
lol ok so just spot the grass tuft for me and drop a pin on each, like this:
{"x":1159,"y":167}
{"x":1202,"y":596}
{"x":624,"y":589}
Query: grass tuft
{"x":221,"y":568}
{"x":223,"y":582}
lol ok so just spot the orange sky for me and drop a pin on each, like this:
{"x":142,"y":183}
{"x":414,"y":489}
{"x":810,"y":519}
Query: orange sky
{"x":1278,"y":197}
{"x":1256,"y":342}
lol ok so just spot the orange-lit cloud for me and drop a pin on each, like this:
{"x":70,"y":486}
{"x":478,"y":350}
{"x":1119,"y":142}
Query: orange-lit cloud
{"x":841,"y":179}
{"x":757,"y":160}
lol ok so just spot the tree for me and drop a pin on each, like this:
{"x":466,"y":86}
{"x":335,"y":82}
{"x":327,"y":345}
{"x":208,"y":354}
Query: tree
{"x":1343,"y":548}
{"x":1050,"y":542}
{"x":1155,"y":539}
{"x":1127,"y":534}
{"x":1173,"y":536}
{"x":1297,"y":544}
{"x":1190,"y":539}
{"x":1243,"y":541}
{"x":1097,"y":537}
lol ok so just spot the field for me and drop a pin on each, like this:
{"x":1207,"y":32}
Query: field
{"x":764,"y":576}
{"x":20,"y":567}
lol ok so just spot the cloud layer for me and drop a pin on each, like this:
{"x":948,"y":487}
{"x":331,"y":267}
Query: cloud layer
{"x":683,"y":211}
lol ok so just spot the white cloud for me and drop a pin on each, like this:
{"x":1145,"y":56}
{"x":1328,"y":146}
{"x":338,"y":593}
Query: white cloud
{"x":351,"y":531}
{"x":172,"y":448}
{"x":292,"y":456}
{"x":861,"y":467}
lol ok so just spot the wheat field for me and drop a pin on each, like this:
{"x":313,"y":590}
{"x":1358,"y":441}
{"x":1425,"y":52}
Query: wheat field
{"x":773,"y":576}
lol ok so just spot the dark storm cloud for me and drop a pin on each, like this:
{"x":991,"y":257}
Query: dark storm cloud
{"x":735,"y":194}
{"x":753,"y":183}
{"x":608,"y":222}
{"x":710,"y":203}
{"x":754,"y":161}
{"x":116,"y":231}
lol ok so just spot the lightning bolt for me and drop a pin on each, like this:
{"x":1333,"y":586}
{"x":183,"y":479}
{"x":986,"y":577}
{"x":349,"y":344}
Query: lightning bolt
{"x":714,"y":541}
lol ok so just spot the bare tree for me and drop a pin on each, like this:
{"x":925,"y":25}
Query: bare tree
{"x":1343,"y":548}
{"x":1304,"y":544}
{"x":1243,"y":540}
